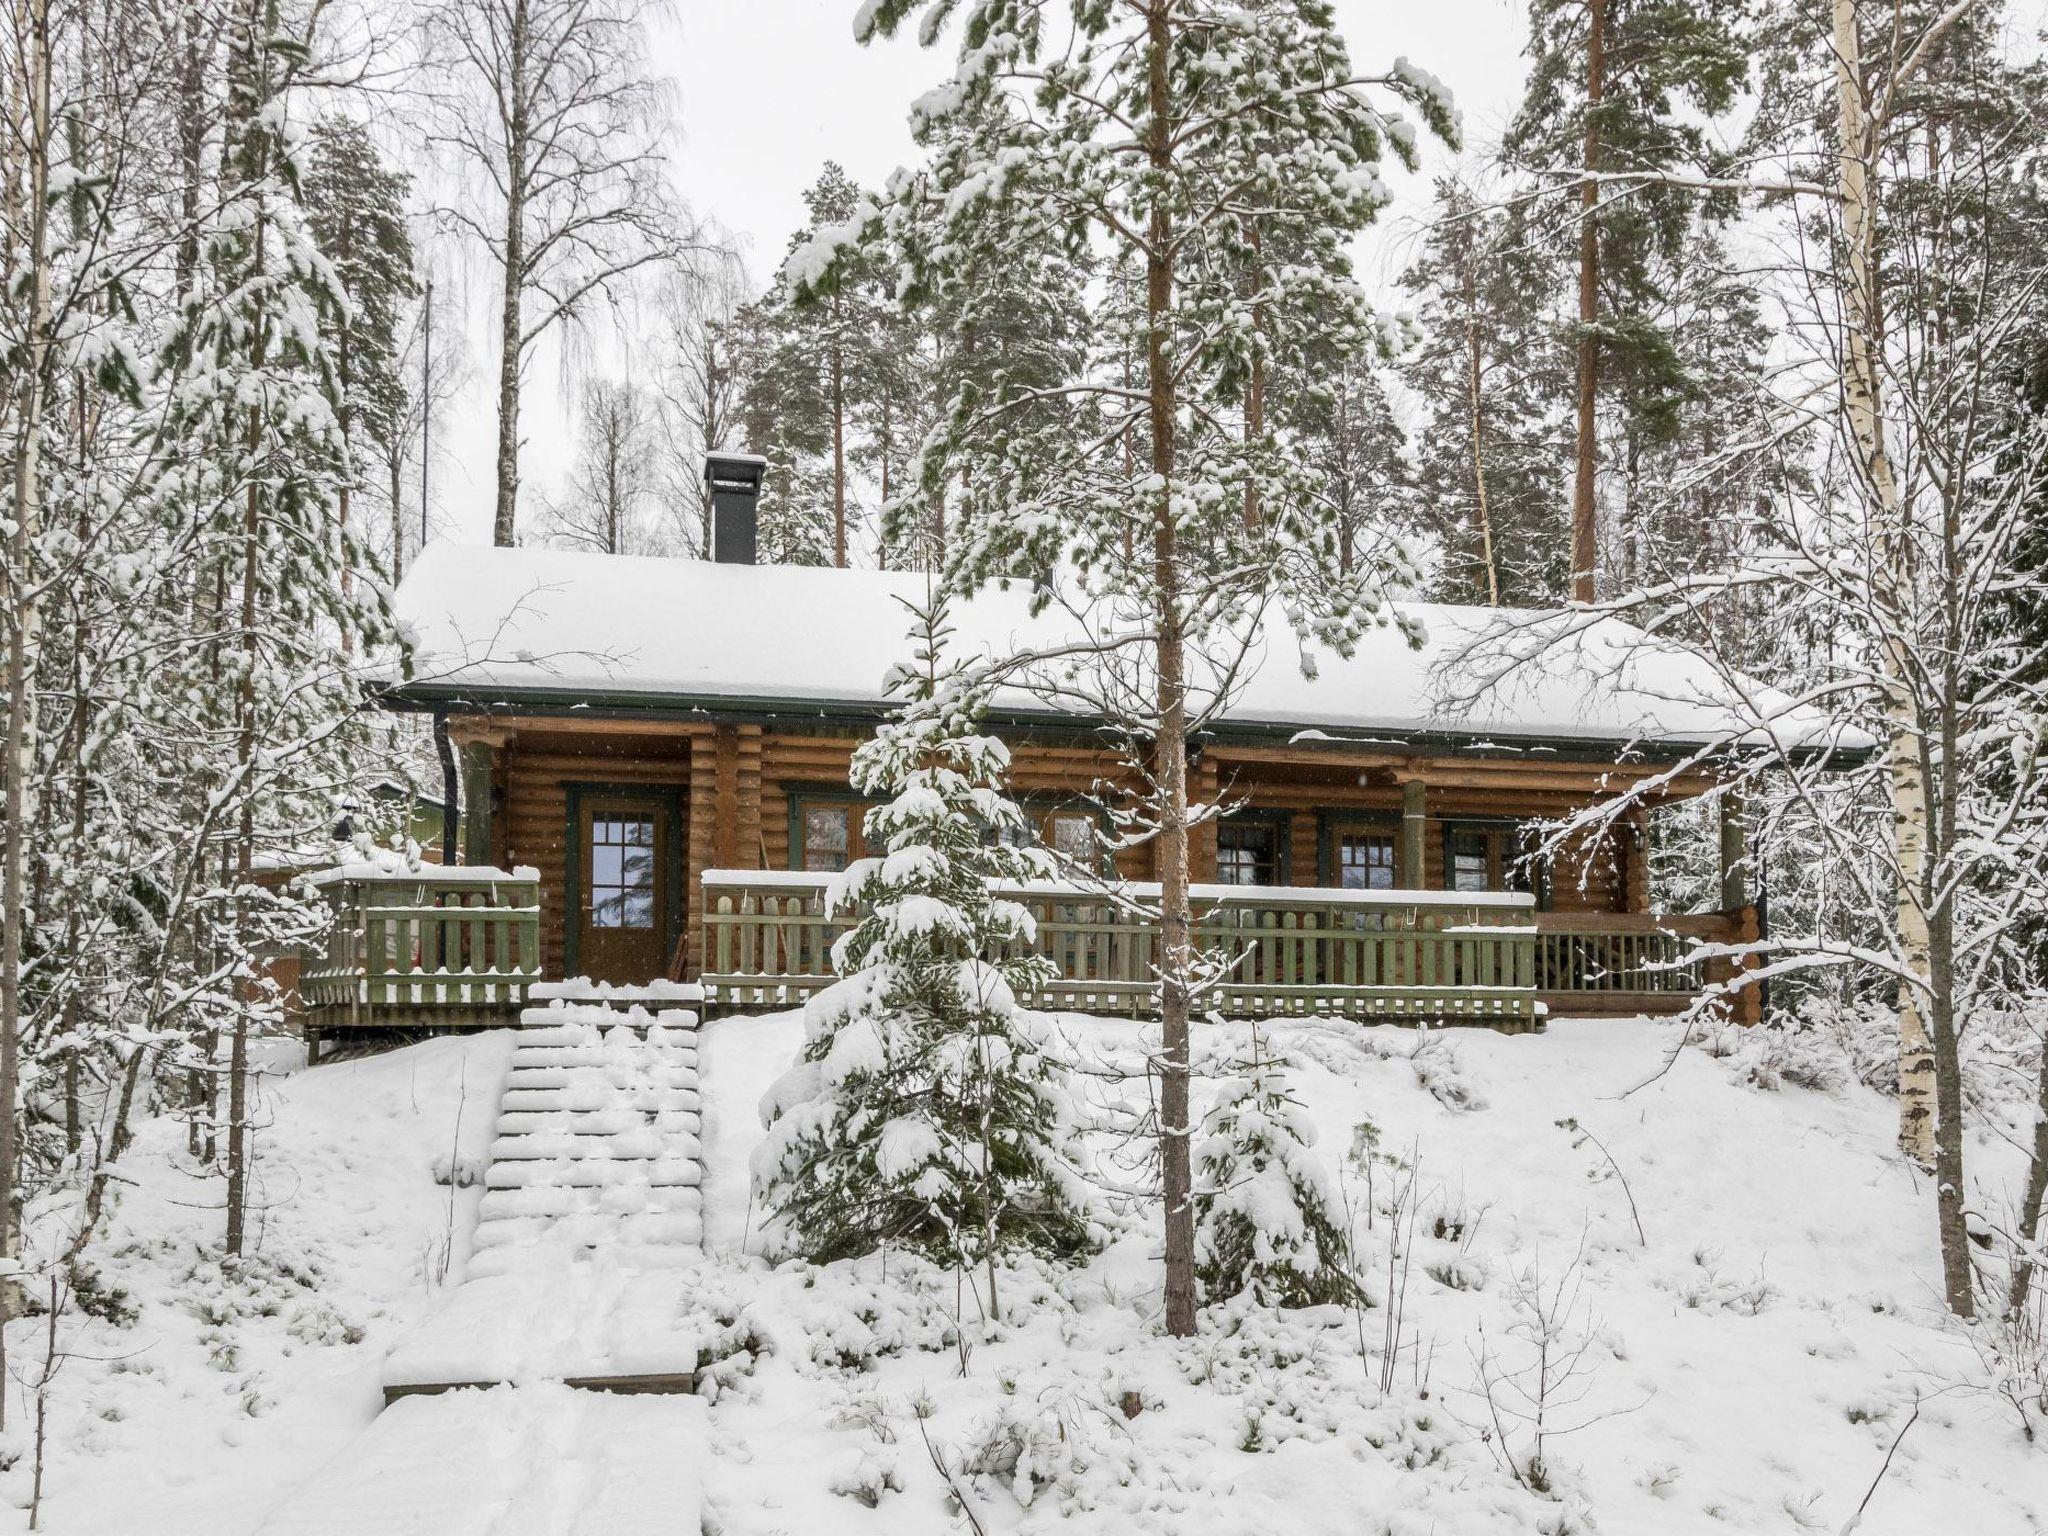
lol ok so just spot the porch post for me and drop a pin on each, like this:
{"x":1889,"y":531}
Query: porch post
{"x":1734,"y":851}
{"x":1414,"y":842}
{"x":479,"y":766}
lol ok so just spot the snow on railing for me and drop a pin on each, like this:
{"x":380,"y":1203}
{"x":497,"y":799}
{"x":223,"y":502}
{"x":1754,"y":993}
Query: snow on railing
{"x":422,"y":945}
{"x":767,"y":941}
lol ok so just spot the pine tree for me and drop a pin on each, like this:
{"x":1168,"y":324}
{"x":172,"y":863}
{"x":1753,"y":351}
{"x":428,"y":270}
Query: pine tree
{"x":1267,"y":1220}
{"x":1158,"y":130}
{"x":834,"y":385}
{"x":1490,"y":376}
{"x":925,"y":1111}
{"x":1614,"y":98}
{"x":783,"y":415}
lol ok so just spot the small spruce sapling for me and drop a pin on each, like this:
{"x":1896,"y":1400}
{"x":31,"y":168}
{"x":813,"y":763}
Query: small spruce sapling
{"x":1268,"y":1220}
{"x":924,"y":1110}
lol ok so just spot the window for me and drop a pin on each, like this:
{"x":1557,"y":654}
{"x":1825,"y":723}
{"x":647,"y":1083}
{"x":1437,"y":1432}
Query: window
{"x":1468,"y":860}
{"x":1248,"y":853}
{"x":1527,"y":868}
{"x":621,"y":871}
{"x":1071,"y":835}
{"x":826,"y":832}
{"x":1365,"y":861}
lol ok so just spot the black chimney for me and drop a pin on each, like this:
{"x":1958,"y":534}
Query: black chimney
{"x":735,"y":482}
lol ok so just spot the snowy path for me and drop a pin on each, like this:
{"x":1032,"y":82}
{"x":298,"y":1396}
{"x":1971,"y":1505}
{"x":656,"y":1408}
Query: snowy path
{"x":591,"y":1210}
{"x":512,"y":1461}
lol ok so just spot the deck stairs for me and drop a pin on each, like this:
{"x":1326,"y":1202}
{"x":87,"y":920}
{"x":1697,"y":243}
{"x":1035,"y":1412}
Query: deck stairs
{"x":598,"y":1131}
{"x":592,"y":1208}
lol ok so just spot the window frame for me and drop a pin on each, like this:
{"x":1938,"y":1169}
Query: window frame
{"x":809,"y":797}
{"x":1280,"y":826}
{"x":1335,"y":825}
{"x":1506,"y":839}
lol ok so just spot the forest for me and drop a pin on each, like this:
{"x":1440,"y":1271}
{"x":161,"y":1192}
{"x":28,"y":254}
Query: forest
{"x":1732,"y":325}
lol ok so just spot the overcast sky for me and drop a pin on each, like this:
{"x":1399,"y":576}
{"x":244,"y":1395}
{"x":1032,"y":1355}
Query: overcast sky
{"x":771,"y":89}
{"x":768,"y":90}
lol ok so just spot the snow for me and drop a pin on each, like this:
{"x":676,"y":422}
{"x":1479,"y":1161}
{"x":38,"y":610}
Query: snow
{"x":1753,"y":1360}
{"x":525,"y":1461}
{"x":655,"y":630}
{"x":394,"y":866}
{"x":1148,"y":890}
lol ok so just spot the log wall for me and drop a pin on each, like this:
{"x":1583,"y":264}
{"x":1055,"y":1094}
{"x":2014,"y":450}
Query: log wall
{"x":739,"y":782}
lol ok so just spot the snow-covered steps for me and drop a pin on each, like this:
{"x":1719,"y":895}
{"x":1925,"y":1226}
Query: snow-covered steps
{"x":620,"y":1321}
{"x":540,"y":1460}
{"x":598,"y":1128}
{"x":592,"y":1204}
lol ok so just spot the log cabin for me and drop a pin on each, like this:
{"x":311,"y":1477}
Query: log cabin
{"x":663,"y":744}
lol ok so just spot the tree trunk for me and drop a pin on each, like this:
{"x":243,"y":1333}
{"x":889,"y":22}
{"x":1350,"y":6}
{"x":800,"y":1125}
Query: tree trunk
{"x":511,"y":341}
{"x":394,"y":464}
{"x":25,"y":603}
{"x":838,"y":444}
{"x":1862,"y":409}
{"x":2029,"y":1224}
{"x":1255,"y":387}
{"x":1170,"y":747}
{"x":245,"y":704}
{"x":1486,"y":560}
{"x":1585,"y":556}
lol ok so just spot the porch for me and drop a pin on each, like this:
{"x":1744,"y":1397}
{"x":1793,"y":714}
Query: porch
{"x":422,"y":951}
{"x":450,"y":948}
{"x":1450,"y":957}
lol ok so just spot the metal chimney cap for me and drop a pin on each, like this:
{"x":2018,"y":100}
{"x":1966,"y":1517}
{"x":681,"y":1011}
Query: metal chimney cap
{"x":737,"y":469}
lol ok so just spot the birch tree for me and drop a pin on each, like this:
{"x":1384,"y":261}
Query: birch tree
{"x":551,"y":128}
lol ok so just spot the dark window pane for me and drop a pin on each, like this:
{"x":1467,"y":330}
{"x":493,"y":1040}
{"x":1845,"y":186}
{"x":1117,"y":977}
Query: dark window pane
{"x":1470,"y":865}
{"x":1365,"y":861}
{"x":828,"y":833}
{"x":1247,"y":853}
{"x":1073,"y":839}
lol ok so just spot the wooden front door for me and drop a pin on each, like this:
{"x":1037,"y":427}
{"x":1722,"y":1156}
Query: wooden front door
{"x":628,"y":885}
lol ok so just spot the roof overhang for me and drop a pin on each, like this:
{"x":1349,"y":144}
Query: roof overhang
{"x":517,"y":703}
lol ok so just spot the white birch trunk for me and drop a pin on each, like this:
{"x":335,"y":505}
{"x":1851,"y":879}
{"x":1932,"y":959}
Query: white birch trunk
{"x":1863,"y":409}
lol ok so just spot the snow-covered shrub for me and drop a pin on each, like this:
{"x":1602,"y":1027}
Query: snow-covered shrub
{"x":1023,"y":1446}
{"x":925,"y":1111}
{"x":1267,"y":1217}
{"x":861,"y":1318}
{"x":1794,"y":1053}
{"x":867,"y":1478}
{"x":1435,"y":1062}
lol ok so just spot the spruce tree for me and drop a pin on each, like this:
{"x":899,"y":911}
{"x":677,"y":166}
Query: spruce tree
{"x":1267,"y":1221}
{"x":249,"y":476}
{"x":925,"y":1111}
{"x":356,"y":213}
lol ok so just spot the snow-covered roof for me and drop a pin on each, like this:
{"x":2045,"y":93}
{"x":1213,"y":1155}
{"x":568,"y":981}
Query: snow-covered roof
{"x":613,"y":630}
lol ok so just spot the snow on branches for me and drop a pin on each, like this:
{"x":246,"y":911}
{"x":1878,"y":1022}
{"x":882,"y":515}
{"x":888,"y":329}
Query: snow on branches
{"x":924,"y":1110}
{"x":1267,"y":1219}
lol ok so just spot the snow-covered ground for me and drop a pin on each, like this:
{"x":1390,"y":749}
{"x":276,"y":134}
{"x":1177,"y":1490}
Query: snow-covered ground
{"x":1744,"y":1369}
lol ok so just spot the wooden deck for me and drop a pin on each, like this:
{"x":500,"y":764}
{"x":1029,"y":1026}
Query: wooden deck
{"x":444,"y":949}
{"x":1274,"y":950}
{"x":1435,"y":956}
{"x":420,"y":951}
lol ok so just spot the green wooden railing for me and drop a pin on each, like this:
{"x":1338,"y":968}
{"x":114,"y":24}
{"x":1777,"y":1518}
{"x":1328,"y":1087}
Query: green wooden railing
{"x":422,"y":948}
{"x":767,"y":943}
